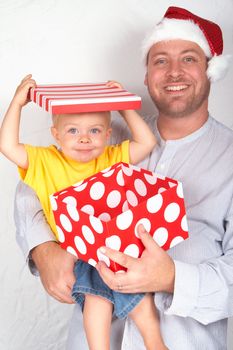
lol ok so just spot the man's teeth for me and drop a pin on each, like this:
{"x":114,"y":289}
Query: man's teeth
{"x":176,"y":88}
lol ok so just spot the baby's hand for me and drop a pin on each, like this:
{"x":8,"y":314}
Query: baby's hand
{"x":113,"y":83}
{"x":21,"y":93}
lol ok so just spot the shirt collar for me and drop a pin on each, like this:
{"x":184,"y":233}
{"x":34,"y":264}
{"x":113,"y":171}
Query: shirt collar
{"x":191,"y":137}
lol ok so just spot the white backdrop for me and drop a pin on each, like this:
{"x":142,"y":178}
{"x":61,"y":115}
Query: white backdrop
{"x":68,"y":41}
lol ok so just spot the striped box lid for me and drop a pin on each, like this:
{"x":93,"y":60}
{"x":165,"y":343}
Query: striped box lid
{"x":84,"y":97}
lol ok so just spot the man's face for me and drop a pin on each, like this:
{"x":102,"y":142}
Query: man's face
{"x":176,"y":78}
{"x":82,"y":137}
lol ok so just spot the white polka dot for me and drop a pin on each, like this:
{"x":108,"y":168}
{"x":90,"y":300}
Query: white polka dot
{"x":113,"y":199}
{"x":65,"y":223}
{"x":184,"y":224}
{"x":97,"y":190}
{"x":140,"y":187}
{"x":132,"y":250}
{"x":103,"y":257}
{"x":80,"y":245}
{"x":80,"y":187}
{"x":73,"y":212}
{"x":70,"y":200}
{"x":78,"y":183}
{"x":109,"y":173}
{"x":105,"y":217}
{"x":120,"y":179}
{"x":162,"y":189}
{"x":160,"y":236}
{"x":53,"y":203}
{"x":154,"y":203}
{"x":127,"y":170}
{"x":172,"y":212}
{"x":124,"y":220}
{"x":135,"y":168}
{"x":151,"y":179}
{"x":96,"y":224}
{"x":72,"y":251}
{"x":113,"y":242}
{"x":172,"y":184}
{"x":120,"y":271}
{"x":179,"y":190}
{"x":62,"y":192}
{"x":92,"y":262}
{"x":145,"y":222}
{"x":88,"y":234}
{"x":176,"y":240}
{"x":125,"y":206}
{"x":132,"y":198}
{"x":60,"y":234}
{"x":105,"y":170}
{"x":92,"y":178}
{"x":88,"y":209}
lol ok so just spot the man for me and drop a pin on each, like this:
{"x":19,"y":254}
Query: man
{"x":193,"y":281}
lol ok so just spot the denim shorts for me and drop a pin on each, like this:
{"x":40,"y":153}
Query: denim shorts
{"x":88,"y":281}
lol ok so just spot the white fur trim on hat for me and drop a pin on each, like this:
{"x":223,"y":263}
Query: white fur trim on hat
{"x":172,"y":29}
{"x":218,"y":67}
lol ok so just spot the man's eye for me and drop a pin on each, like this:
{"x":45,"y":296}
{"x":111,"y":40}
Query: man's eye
{"x":160,"y":61}
{"x":189,"y":59}
{"x":95,"y":131}
{"x":73,"y":131}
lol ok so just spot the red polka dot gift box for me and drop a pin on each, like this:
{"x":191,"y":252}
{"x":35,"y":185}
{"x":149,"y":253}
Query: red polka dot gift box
{"x":105,"y":209}
{"x":81,"y":98}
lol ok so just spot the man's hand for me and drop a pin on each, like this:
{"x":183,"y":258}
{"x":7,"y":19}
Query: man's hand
{"x":55,"y":267}
{"x":154,"y":271}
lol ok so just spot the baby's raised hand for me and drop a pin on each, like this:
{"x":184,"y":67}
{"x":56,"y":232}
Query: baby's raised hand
{"x":21,"y":93}
{"x":113,"y":83}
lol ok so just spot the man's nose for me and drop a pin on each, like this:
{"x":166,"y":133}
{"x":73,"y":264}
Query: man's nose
{"x":175,"y":69}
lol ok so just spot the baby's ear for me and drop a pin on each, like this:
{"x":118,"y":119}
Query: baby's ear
{"x":54,"y":133}
{"x":109,"y":133}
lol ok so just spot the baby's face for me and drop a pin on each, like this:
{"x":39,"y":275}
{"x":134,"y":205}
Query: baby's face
{"x":82,"y":137}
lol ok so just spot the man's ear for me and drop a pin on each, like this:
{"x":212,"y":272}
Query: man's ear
{"x":146,"y":79}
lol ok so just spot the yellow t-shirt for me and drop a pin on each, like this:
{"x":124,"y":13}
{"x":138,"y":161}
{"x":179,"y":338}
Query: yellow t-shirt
{"x":50,"y":171}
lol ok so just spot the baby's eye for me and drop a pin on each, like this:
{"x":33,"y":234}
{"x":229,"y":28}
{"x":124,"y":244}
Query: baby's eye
{"x":94,"y":131}
{"x":73,"y":131}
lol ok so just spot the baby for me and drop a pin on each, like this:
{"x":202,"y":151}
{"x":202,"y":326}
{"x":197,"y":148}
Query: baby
{"x":82,"y":152}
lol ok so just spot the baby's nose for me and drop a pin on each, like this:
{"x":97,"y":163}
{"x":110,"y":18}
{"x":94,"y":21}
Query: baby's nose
{"x":84,"y":139}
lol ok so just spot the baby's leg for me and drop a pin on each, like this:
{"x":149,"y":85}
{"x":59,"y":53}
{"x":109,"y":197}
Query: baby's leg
{"x":97,"y":317}
{"x":145,"y":317}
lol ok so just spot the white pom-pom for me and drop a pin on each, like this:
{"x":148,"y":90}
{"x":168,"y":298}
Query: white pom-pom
{"x":218,"y":67}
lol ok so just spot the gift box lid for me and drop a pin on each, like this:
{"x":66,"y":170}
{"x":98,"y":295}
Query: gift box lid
{"x":82,"y":98}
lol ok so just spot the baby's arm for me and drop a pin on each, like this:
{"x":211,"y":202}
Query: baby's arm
{"x":143,"y":140}
{"x":9,"y":132}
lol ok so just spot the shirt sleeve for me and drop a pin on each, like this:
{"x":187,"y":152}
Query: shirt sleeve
{"x":32,"y":228}
{"x":203,"y":291}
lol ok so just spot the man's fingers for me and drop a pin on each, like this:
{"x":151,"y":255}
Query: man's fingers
{"x":118,"y":257}
{"x":115,"y":281}
{"x":148,"y":241}
{"x":63,"y":295}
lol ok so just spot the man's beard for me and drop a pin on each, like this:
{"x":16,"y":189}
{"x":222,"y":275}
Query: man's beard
{"x":191,"y":104}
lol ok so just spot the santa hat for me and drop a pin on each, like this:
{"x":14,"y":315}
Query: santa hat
{"x":179,"y":23}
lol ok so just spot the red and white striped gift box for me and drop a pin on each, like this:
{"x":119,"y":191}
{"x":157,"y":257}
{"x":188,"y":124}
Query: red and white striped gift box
{"x":81,"y":98}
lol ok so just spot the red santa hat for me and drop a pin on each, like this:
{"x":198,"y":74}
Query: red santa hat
{"x":179,"y":23}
